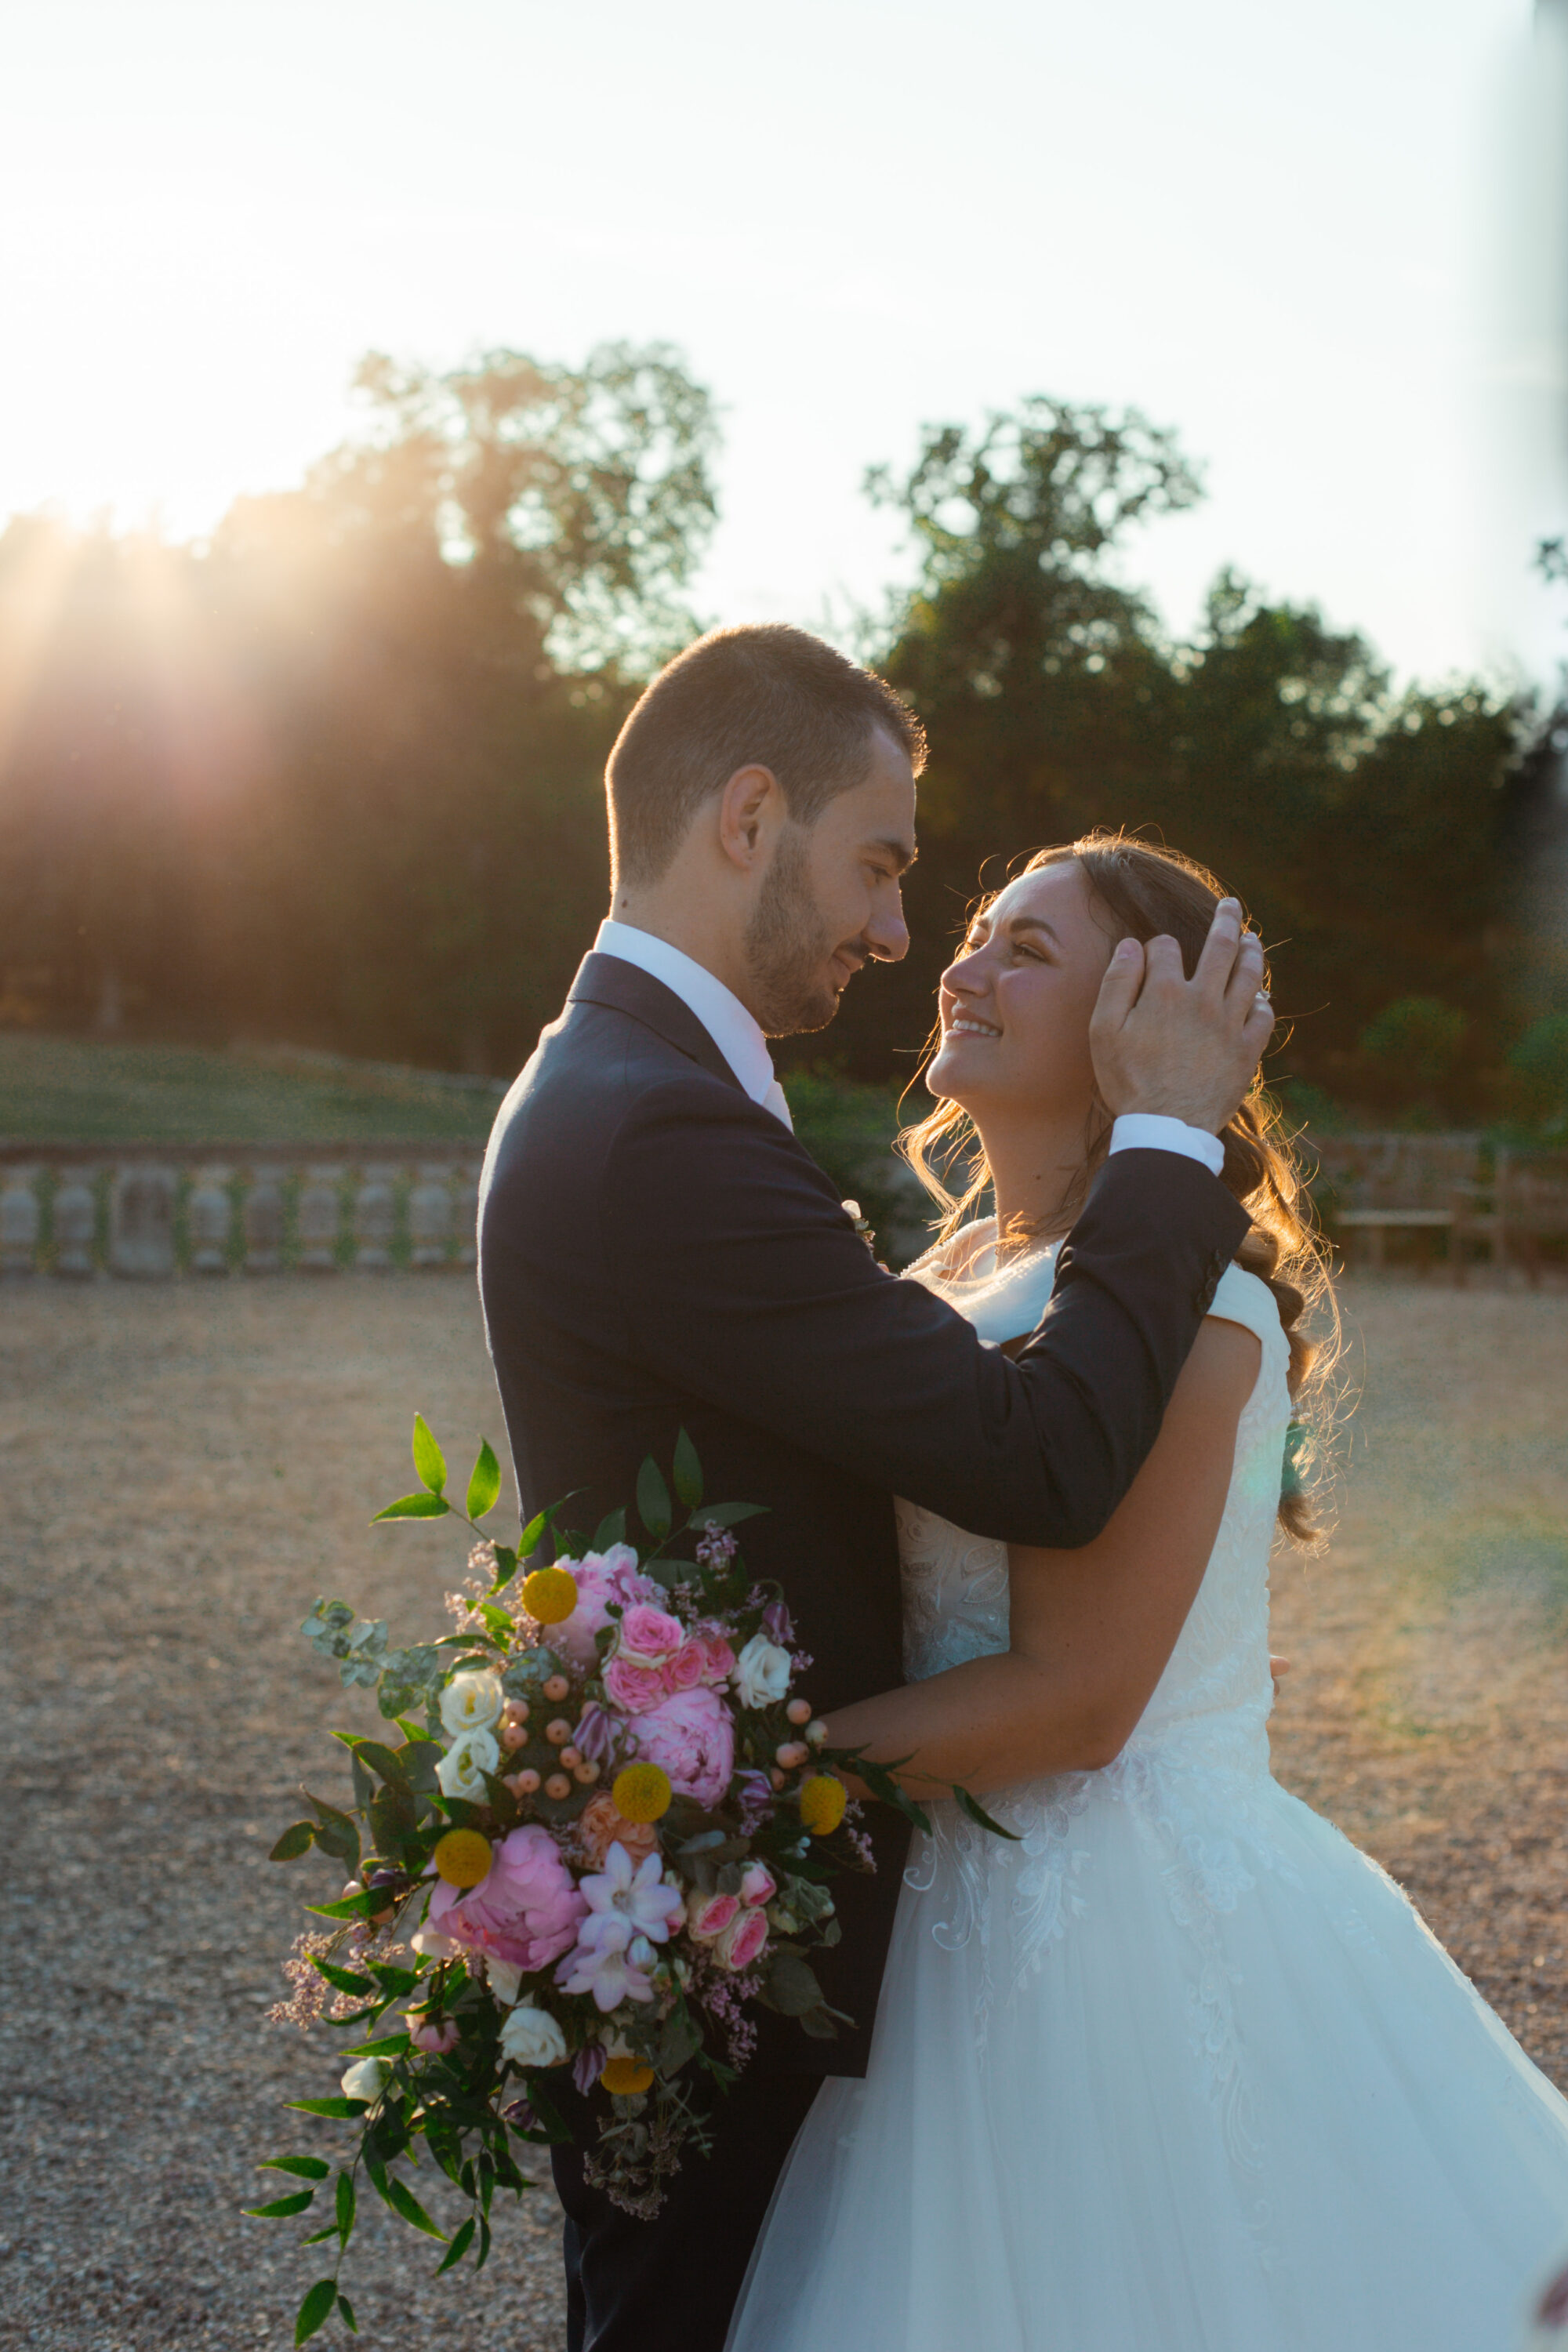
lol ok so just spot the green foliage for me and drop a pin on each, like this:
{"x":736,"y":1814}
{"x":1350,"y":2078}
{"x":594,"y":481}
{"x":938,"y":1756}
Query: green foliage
{"x":1538,"y":1064}
{"x":429,"y":1462}
{"x":1415,"y":1042}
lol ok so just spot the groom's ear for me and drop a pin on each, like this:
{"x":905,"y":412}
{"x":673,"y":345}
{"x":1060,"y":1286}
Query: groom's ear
{"x":750,"y":811}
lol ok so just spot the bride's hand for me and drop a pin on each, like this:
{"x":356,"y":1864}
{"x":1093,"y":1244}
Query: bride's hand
{"x":1184,"y":1048}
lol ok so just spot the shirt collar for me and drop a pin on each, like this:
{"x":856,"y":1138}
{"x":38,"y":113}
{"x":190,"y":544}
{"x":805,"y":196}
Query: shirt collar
{"x":720,"y":1012}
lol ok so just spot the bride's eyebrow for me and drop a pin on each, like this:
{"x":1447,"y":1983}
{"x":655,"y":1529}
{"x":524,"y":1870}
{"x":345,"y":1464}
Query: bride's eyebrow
{"x":1034,"y":923}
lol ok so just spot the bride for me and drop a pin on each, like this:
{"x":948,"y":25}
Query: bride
{"x":1180,"y":2070}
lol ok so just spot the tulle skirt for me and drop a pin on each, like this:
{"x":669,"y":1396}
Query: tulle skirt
{"x":1183,"y":2073}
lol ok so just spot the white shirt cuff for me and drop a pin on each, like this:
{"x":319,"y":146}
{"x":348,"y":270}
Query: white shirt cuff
{"x":1146,"y":1130}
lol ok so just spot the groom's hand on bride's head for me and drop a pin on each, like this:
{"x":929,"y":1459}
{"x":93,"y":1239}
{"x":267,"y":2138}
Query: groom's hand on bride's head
{"x":1185,"y":1049}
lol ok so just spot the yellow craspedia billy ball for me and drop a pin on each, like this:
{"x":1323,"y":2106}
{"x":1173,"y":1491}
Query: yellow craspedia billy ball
{"x":822,"y":1801}
{"x":463,"y":1857}
{"x":626,"y":2076}
{"x":550,"y":1595}
{"x":642,"y":1792}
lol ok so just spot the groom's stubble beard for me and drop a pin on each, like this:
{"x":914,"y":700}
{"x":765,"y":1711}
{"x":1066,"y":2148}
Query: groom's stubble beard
{"x":788,"y":944}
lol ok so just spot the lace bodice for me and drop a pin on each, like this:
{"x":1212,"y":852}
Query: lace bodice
{"x":1213,"y":1700}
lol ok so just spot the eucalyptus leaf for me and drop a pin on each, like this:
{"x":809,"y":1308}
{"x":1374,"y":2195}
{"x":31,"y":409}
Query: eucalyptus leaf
{"x":611,"y":1529}
{"x":384,"y":1762}
{"x":462,"y":2238}
{"x":484,"y":1482}
{"x":979,"y":1817}
{"x":415,"y":1506}
{"x":316,"y":2310}
{"x":727,"y":1515}
{"x":296,"y":1839}
{"x":790,"y":1986}
{"x":429,"y":1462}
{"x":281,"y":2206}
{"x":307,"y":2168}
{"x":654,"y":1508}
{"x":688,"y":1472}
{"x":403,"y":2202}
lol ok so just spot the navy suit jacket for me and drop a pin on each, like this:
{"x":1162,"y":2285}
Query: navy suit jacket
{"x":658,"y":1251}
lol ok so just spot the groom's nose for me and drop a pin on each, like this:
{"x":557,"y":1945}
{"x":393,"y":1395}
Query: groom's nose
{"x":886,"y":934}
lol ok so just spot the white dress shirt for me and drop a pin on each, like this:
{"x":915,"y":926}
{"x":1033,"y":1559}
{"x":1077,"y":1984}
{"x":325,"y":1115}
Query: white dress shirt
{"x":745,"y":1048}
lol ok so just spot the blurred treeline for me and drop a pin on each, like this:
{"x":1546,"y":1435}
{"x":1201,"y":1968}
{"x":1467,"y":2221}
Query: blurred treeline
{"x":333,"y":777}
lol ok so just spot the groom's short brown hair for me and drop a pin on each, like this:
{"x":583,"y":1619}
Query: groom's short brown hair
{"x":770,"y":697}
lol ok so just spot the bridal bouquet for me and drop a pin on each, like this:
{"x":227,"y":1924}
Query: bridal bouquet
{"x":602,"y":1840}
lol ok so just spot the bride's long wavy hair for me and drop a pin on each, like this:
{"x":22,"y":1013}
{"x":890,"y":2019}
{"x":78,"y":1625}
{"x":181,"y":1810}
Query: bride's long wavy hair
{"x":1140,"y":891}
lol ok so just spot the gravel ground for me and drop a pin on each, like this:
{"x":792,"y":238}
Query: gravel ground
{"x":186,"y":1468}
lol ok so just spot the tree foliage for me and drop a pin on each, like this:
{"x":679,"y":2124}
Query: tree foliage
{"x":335,"y":777}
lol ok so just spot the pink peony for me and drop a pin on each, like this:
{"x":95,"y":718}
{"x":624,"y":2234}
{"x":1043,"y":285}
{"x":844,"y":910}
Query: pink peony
{"x":718,"y":1658}
{"x":687,"y":1668}
{"x":758,"y":1885}
{"x":649,"y":1635}
{"x":525,"y":1912}
{"x":602,"y":1577}
{"x":743,"y":1941}
{"x":691,"y":1734}
{"x":634,"y":1689}
{"x":709,"y":1915}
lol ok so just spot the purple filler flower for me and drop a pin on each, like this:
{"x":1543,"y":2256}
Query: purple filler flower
{"x":777,"y":1623}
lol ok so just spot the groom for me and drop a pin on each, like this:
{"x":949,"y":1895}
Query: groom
{"x":657,"y":1251}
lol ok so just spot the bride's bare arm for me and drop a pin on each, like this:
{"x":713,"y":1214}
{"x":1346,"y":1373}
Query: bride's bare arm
{"x":1090,"y":1629}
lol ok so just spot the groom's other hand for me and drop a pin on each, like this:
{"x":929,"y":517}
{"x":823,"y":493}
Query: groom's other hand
{"x":1182,"y":1048}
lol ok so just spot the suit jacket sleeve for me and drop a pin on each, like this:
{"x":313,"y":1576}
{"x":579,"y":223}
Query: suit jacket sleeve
{"x":744,"y":1282}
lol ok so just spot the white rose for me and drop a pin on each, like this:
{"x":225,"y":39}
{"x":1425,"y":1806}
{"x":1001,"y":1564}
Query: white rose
{"x":460,"y":1772}
{"x":365,"y":2080}
{"x":762,"y":1673}
{"x":531,"y":2037}
{"x":471,"y":1703}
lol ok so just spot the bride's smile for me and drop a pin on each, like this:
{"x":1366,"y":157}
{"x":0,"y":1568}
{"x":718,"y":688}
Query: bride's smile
{"x":1016,"y":1001}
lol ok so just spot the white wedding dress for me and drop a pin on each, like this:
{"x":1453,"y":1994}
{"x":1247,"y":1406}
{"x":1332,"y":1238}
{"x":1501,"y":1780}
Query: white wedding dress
{"x":1181,"y":2071}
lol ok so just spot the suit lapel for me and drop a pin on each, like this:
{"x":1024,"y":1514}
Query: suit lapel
{"x":606,"y":980}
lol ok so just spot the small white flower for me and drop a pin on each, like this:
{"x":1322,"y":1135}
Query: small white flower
{"x":461,"y":1770}
{"x":471,"y":1703}
{"x":532,"y":2037}
{"x":365,"y":2079}
{"x":762,"y":1673}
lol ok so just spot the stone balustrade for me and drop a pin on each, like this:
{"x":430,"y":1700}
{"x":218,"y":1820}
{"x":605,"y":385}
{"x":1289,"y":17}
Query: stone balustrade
{"x":76,"y":1211}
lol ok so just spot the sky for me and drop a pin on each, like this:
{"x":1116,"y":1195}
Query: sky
{"x":1310,"y":240}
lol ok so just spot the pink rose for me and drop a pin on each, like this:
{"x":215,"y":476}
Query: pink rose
{"x":632,"y":1688}
{"x":649,"y":1636}
{"x":758,"y":1885}
{"x":743,"y":1941}
{"x":718,"y":1658}
{"x":691,"y":1734}
{"x":425,"y":2034}
{"x":687,"y":1668}
{"x":525,"y":1912}
{"x":709,"y":1915}
{"x":602,"y":1577}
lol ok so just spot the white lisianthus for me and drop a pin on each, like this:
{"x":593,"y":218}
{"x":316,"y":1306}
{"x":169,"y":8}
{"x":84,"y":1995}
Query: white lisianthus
{"x":531,"y":2037}
{"x":460,"y":1772}
{"x":471,"y":1703}
{"x":762,"y":1673}
{"x":365,"y":2079}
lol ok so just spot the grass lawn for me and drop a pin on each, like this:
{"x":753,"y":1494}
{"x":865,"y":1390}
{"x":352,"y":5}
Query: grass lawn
{"x":82,"y":1090}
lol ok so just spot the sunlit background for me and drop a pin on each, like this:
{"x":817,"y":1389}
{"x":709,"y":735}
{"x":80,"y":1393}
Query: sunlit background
{"x":1323,"y":245}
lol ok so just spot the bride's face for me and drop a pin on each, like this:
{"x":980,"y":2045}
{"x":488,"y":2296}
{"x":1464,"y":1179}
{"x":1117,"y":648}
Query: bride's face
{"x":1016,"y":1001}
